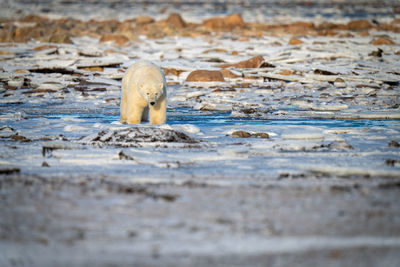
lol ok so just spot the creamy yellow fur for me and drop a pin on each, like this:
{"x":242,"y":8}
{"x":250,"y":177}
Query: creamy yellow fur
{"x":143,"y":85}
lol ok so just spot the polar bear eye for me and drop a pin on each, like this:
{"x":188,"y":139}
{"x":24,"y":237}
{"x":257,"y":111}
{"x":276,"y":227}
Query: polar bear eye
{"x":148,"y":93}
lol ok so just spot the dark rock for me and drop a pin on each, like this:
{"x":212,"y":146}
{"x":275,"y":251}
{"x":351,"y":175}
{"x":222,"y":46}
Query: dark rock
{"x":392,"y":162}
{"x":382,"y":41}
{"x":45,"y":164}
{"x":20,"y":138}
{"x":323,"y":72}
{"x":136,"y":137}
{"x":393,"y":143}
{"x":241,"y":134}
{"x":9,"y":170}
{"x":377,"y":53}
{"x":260,"y":135}
{"x":60,"y":39}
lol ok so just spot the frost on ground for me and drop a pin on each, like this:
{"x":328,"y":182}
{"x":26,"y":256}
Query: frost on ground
{"x":281,"y":146}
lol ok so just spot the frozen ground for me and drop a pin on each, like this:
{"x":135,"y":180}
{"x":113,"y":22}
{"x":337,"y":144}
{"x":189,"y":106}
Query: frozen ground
{"x":293,"y":163}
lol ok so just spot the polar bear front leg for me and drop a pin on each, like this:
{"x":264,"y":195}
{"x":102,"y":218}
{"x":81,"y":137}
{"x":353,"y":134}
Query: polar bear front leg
{"x":134,"y":110}
{"x":158,"y":112}
{"x":134,"y":114}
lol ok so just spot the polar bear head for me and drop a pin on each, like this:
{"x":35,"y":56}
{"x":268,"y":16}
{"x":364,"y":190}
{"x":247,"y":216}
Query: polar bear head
{"x":151,"y":91}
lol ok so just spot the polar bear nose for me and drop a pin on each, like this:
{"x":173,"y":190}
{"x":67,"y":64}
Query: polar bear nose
{"x":152,"y":103}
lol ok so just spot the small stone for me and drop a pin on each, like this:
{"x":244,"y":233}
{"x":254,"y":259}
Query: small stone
{"x":393,"y":143}
{"x":205,"y":76}
{"x":226,"y":23}
{"x":376,"y":53}
{"x":294,"y":41}
{"x":241,"y":134}
{"x":382,"y":41}
{"x":9,"y":170}
{"x":141,"y":20}
{"x":172,"y":71}
{"x":45,"y":164}
{"x":359,"y":25}
{"x":5,"y":53}
{"x":20,"y":138}
{"x":215,"y":50}
{"x":286,"y":72}
{"x":23,"y":71}
{"x":175,"y":21}
{"x":116,"y":38}
{"x":94,"y":68}
{"x":248,"y":111}
{"x":254,"y":62}
{"x":60,"y":39}
{"x":260,"y":135}
{"x":44,"y":47}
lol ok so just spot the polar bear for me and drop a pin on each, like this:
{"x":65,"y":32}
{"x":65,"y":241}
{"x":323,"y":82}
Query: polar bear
{"x":143,"y":92}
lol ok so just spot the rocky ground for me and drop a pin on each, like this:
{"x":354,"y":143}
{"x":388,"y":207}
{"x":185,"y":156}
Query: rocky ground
{"x":281,"y":145}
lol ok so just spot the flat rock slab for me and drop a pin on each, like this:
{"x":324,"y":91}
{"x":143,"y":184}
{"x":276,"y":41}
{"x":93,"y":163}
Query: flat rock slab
{"x":136,"y":136}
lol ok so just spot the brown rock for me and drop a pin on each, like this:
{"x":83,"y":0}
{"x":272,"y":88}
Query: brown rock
{"x":23,"y":71}
{"x":94,"y":68}
{"x":302,"y":24}
{"x":228,"y":74}
{"x":286,"y":72}
{"x":175,"y":21}
{"x":60,"y":39}
{"x":382,"y":41}
{"x":5,"y":53}
{"x":294,"y":41}
{"x":226,"y":23}
{"x":34,"y":18}
{"x":254,"y":62}
{"x":215,"y":50}
{"x":205,"y":76}
{"x":141,"y":20}
{"x":260,"y":135}
{"x":359,"y":25}
{"x":44,"y":47}
{"x":241,"y":134}
{"x":172,"y":71}
{"x":300,"y":28}
{"x":116,"y":38}
{"x":234,"y":20}
{"x":395,"y":21}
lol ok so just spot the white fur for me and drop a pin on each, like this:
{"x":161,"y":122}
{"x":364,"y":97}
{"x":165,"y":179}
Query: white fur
{"x":143,"y":85}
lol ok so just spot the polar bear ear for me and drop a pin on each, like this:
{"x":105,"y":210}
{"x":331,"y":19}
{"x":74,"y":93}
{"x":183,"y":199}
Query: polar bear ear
{"x":141,"y":86}
{"x":161,"y":85}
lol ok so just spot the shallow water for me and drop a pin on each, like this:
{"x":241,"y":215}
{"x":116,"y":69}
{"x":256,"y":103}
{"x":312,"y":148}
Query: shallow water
{"x":207,"y":119}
